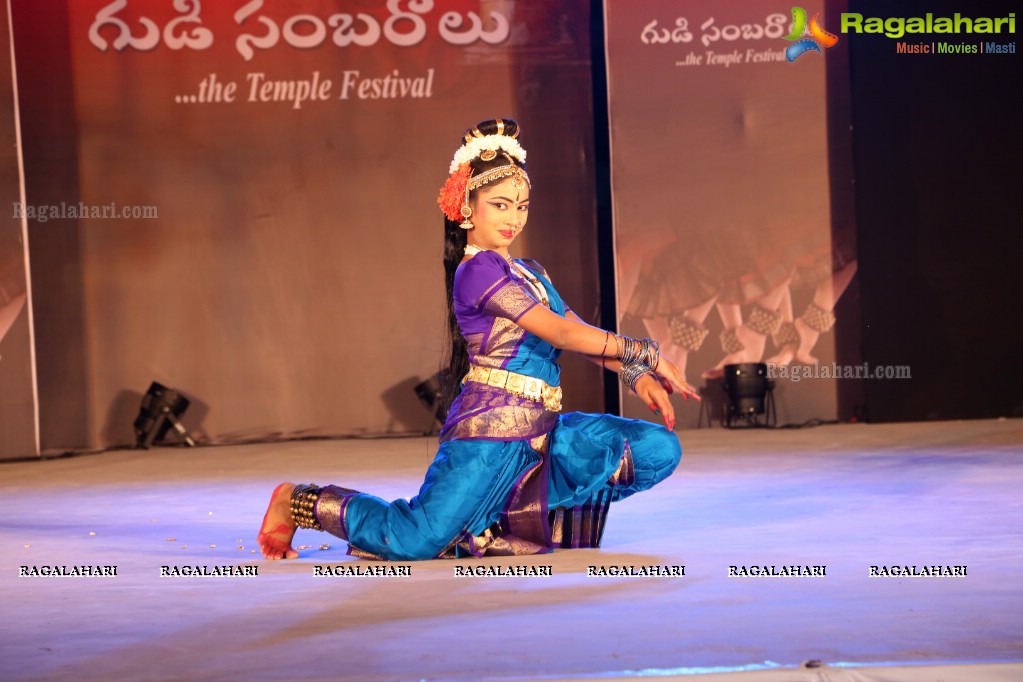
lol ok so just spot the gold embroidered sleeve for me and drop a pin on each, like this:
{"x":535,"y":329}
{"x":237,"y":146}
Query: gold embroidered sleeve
{"x":506,"y":299}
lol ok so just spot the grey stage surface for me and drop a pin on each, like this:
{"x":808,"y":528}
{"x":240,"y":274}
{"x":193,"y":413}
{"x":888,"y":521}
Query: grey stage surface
{"x":844,"y":497}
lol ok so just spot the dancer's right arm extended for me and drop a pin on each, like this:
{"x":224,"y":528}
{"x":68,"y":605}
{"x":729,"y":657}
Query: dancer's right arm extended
{"x":576,"y":335}
{"x":568,"y":334}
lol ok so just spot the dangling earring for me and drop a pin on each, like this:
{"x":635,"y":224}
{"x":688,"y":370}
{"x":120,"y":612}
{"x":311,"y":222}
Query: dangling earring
{"x":466,"y":224}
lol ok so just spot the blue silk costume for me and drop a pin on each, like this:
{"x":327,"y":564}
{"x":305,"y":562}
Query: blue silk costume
{"x":510,"y":476}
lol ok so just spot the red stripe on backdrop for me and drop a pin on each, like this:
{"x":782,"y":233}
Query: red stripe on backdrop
{"x":17,"y":392}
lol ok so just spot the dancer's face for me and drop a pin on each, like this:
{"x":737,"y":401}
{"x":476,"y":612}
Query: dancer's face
{"x":499,"y":213}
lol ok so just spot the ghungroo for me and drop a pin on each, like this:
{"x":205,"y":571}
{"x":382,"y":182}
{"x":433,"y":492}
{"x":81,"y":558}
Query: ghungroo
{"x":818,"y":318}
{"x":763,"y":321}
{"x":730,"y":342}
{"x":303,"y":506}
{"x":686,"y":333}
{"x":787,"y":335}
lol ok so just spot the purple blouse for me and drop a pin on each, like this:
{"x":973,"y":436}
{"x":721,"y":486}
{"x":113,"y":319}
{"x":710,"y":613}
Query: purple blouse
{"x":489,"y":298}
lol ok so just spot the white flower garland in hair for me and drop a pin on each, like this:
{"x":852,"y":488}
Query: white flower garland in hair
{"x":470,"y":150}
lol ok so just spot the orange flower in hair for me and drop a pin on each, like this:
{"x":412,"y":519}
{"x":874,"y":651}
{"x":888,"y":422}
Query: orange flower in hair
{"x":452,"y":194}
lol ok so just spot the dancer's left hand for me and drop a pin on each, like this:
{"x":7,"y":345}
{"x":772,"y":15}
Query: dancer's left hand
{"x":651,"y":391}
{"x":671,"y":378}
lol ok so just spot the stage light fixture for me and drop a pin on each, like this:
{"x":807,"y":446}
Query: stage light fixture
{"x":161,"y":407}
{"x":750,"y":394}
{"x":433,"y":394}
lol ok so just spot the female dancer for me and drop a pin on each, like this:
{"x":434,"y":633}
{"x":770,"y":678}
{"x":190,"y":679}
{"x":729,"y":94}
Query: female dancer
{"x":511,"y":476}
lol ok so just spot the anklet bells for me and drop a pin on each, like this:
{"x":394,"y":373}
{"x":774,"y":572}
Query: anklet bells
{"x":303,"y":506}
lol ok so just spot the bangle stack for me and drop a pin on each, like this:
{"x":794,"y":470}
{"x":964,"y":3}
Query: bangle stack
{"x":639,"y":357}
{"x":643,"y":351}
{"x":631,"y":373}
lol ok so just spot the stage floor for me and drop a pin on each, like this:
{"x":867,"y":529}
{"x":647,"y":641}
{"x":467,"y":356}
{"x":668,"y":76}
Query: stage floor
{"x":845,"y":497}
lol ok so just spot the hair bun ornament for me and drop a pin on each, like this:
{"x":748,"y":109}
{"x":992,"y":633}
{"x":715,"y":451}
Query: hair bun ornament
{"x":477,"y":146}
{"x":500,"y":126}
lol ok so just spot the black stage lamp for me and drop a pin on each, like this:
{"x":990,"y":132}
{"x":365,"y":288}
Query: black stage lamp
{"x":750,"y":393}
{"x":161,"y":407}
{"x":433,"y":394}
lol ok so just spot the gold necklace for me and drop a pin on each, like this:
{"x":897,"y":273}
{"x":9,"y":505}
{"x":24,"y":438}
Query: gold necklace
{"x":529,"y":277}
{"x":534,"y":284}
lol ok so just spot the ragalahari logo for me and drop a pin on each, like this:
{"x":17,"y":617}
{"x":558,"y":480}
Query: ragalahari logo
{"x":806,"y":37}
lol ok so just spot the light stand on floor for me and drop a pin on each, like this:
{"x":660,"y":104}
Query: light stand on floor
{"x":750,"y":394}
{"x":433,"y":394}
{"x":161,"y":407}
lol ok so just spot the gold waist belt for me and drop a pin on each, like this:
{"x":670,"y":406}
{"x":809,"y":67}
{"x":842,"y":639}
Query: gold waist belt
{"x":521,"y":385}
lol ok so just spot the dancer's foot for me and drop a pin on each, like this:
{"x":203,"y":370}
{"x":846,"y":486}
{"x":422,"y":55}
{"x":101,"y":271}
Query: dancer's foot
{"x":753,"y":350}
{"x":794,"y":340}
{"x":786,"y":340}
{"x":783,"y":357}
{"x":807,"y":340}
{"x":678,"y":336}
{"x":677,"y":354}
{"x":799,"y":354}
{"x":278,"y":527}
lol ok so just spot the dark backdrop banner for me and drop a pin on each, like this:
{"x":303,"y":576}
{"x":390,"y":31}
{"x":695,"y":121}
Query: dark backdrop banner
{"x":939,"y":216}
{"x":17,"y":393}
{"x":256,"y":216}
{"x":721,"y":196}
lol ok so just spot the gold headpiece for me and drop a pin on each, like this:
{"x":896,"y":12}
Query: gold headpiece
{"x":454,"y":195}
{"x":510,"y":170}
